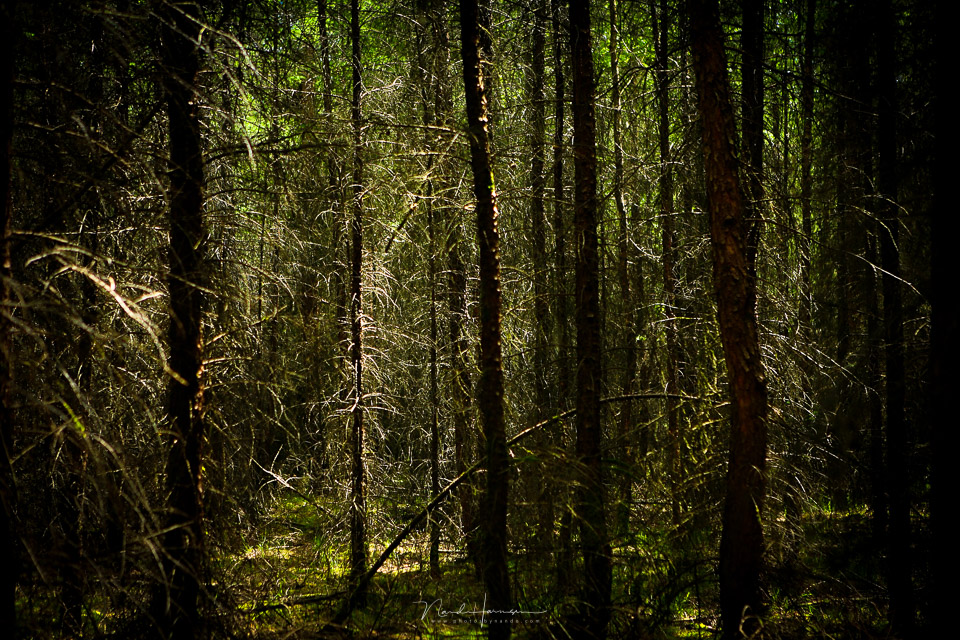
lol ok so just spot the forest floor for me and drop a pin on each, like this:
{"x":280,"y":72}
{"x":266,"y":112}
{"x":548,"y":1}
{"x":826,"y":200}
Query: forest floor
{"x":823,"y":582}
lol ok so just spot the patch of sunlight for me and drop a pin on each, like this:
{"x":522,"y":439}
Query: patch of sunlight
{"x":265,"y":552}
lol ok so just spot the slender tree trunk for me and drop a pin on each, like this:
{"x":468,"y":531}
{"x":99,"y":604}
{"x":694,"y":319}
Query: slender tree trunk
{"x":643,"y":363}
{"x":751,"y":44}
{"x":898,"y":551}
{"x":541,"y":304}
{"x":804,"y":242}
{"x":430,"y":119}
{"x":333,"y":188}
{"x":878,"y":499}
{"x":427,"y":77}
{"x":661,"y":30}
{"x":75,"y":442}
{"x":9,"y":565}
{"x":741,"y":545}
{"x":490,"y":386}
{"x":434,"y":391}
{"x":179,"y":615}
{"x":459,"y":354}
{"x":358,"y":493}
{"x":628,"y":302}
{"x":806,"y":166}
{"x":562,"y":299}
{"x":590,"y":507}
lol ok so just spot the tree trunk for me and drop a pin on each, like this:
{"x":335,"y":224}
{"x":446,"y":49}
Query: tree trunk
{"x":9,"y":565}
{"x":898,"y":537}
{"x":460,"y":393}
{"x":541,"y":308}
{"x":806,"y":167}
{"x":751,"y":143}
{"x":434,"y":395}
{"x":661,"y":35}
{"x":427,"y":77}
{"x":490,"y":385}
{"x":333,"y":188}
{"x":179,"y":616}
{"x":590,"y":507}
{"x":945,"y":347}
{"x":562,"y":299}
{"x":741,"y":545}
{"x":627,"y":302}
{"x":358,"y":493}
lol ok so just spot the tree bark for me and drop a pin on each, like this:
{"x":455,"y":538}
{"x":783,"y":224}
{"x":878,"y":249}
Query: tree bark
{"x":179,"y":615}
{"x":490,"y":385}
{"x":427,"y":77}
{"x":358,"y":493}
{"x":628,"y":303}
{"x":334,"y":186}
{"x":590,"y":507}
{"x":945,"y":347}
{"x":661,"y":33}
{"x":561,"y":299}
{"x":542,"y":320}
{"x":460,"y":393}
{"x":898,"y":536}
{"x":751,"y":142}
{"x":741,"y":545}
{"x":806,"y":166}
{"x":434,"y":391}
{"x":9,"y":565}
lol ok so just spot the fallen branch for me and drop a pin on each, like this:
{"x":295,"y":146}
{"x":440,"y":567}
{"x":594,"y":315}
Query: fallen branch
{"x":316,"y":598}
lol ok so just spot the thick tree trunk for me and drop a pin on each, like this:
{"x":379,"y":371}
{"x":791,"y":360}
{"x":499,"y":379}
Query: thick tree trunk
{"x":358,"y":493}
{"x":741,"y":545}
{"x":184,"y":561}
{"x":590,"y":507}
{"x":902,"y":616}
{"x":945,"y":346}
{"x":490,"y":385}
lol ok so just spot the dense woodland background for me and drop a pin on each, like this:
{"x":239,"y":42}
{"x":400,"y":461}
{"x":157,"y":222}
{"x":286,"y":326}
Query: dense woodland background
{"x":248,"y":316}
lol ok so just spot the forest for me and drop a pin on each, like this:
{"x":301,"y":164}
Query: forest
{"x":423,"y":319}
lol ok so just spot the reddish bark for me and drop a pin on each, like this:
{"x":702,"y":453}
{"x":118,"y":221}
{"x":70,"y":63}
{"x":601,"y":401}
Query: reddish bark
{"x":741,"y":545}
